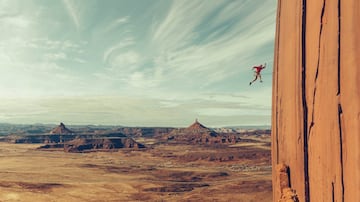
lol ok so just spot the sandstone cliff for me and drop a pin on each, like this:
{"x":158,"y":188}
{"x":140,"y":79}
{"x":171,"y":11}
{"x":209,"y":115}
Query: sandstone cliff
{"x":316,"y":99}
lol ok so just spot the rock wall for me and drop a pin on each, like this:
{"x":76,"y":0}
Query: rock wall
{"x":316,"y":99}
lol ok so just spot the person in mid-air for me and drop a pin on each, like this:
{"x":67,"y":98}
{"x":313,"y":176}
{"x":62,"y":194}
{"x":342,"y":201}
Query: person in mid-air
{"x":257,"y":70}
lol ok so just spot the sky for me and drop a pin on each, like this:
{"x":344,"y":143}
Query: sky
{"x":136,"y":62}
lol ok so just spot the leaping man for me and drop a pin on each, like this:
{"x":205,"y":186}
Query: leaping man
{"x":257,"y":70}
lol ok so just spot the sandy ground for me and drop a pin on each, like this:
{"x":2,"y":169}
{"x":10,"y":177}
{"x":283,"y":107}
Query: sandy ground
{"x":164,"y":173}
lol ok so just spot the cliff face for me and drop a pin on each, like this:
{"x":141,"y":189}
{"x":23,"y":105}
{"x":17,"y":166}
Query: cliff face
{"x":316,"y":99}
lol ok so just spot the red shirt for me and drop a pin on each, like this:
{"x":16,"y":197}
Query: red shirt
{"x":258,"y":68}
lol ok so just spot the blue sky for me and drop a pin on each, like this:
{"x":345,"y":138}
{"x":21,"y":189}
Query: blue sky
{"x":136,"y":63}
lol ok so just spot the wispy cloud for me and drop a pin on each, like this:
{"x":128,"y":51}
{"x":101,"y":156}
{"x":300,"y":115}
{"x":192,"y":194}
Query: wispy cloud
{"x":126,"y":60}
{"x":54,"y":45}
{"x":177,"y":28}
{"x":8,"y":9}
{"x":74,"y":15}
{"x":117,"y":22}
{"x":55,"y":56}
{"x":18,"y":21}
{"x":122,"y":44}
{"x":13,"y":22}
{"x":79,"y":60}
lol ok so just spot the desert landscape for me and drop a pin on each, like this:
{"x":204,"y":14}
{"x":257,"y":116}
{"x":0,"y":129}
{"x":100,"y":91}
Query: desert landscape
{"x":164,"y":169}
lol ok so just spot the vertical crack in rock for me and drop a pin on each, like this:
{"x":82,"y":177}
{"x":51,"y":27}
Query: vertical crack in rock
{"x":288,"y":174}
{"x":339,"y":44}
{"x":318,"y":65}
{"x":332,"y":192}
{"x":341,"y":151}
{"x":340,"y":115}
{"x":305,"y":109}
{"x":277,"y":136}
{"x":275,"y":74}
{"x":339,"y":106}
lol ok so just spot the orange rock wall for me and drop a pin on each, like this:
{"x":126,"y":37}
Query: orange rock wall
{"x":316,"y":99}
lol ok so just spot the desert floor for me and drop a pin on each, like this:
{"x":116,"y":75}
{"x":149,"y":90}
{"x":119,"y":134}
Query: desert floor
{"x":164,"y":172}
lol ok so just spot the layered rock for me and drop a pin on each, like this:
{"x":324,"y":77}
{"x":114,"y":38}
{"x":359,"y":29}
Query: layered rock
{"x":316,"y":99}
{"x":83,"y":145}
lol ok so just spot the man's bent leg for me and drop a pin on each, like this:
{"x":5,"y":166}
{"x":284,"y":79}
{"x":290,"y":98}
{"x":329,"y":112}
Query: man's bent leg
{"x":256,"y":77}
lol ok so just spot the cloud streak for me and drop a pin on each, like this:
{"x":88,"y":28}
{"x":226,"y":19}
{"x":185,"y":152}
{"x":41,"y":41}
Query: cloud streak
{"x":117,"y":22}
{"x":74,"y":15}
{"x":121,"y":45}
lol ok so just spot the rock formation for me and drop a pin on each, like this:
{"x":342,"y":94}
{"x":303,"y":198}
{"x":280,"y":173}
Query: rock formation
{"x":316,"y":99}
{"x":197,"y":133}
{"x":61,"y":129}
{"x":82,"y":145}
{"x":95,"y":144}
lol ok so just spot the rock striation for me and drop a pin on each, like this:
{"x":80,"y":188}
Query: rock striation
{"x":316,"y":99}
